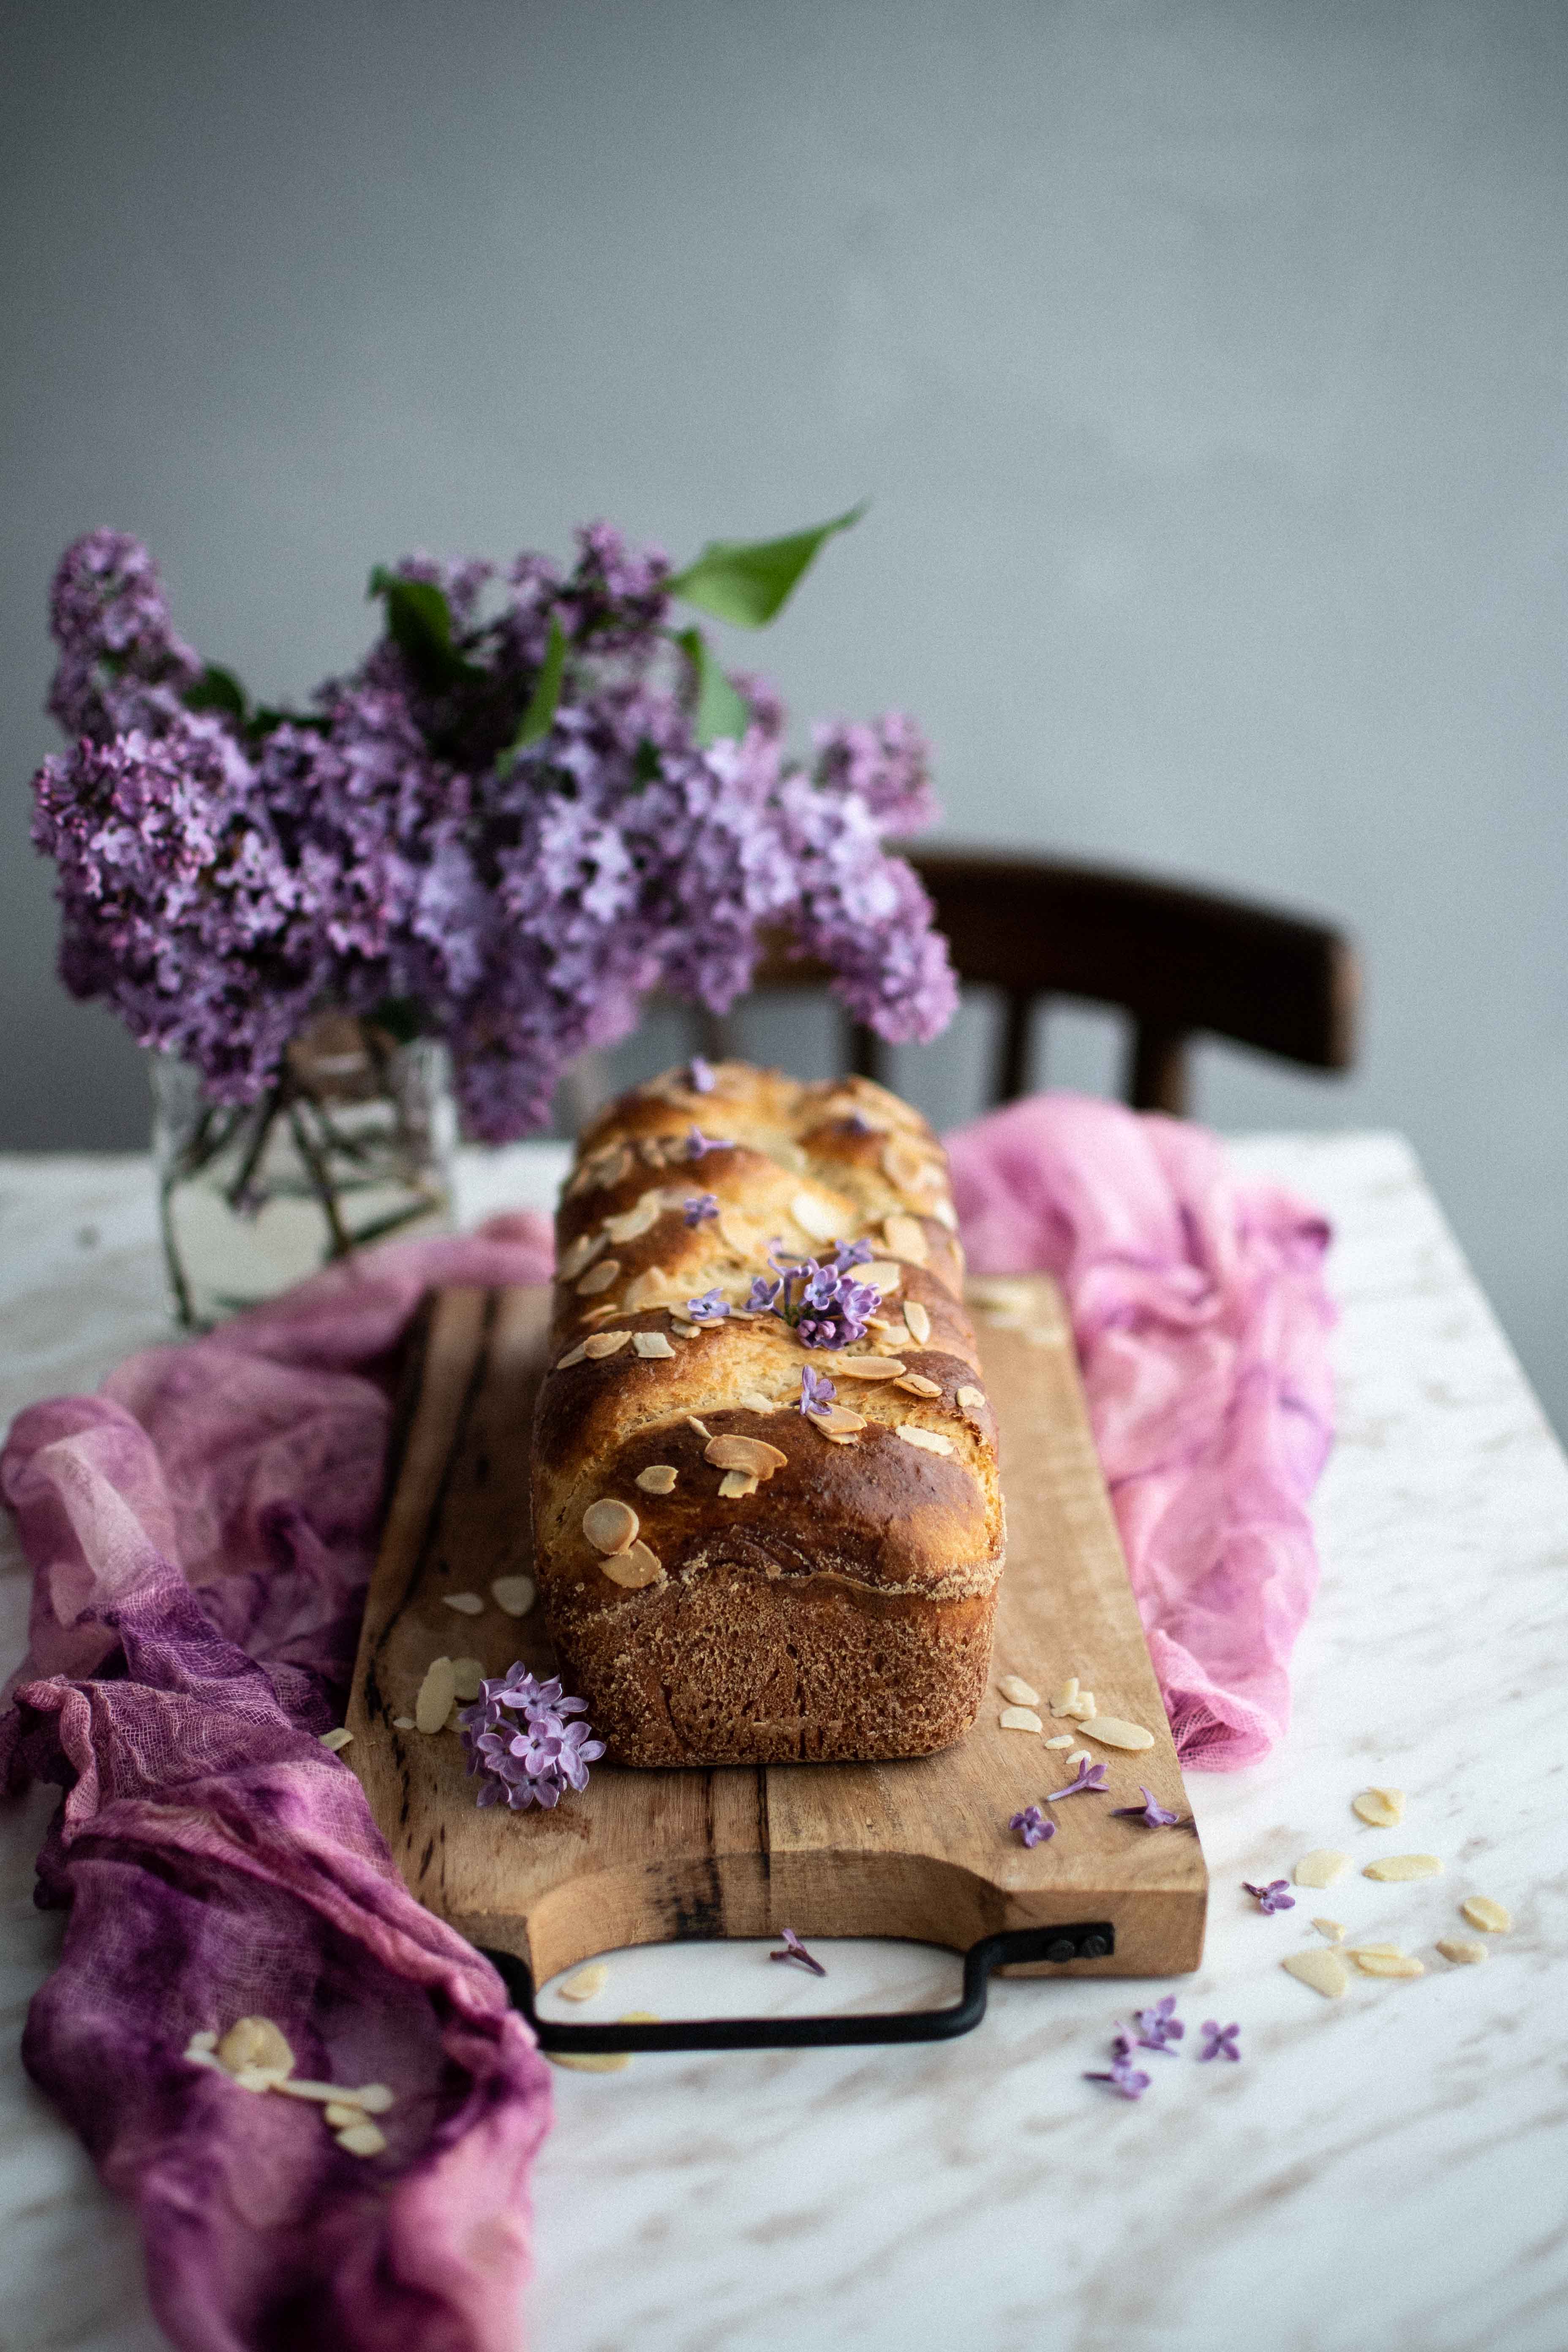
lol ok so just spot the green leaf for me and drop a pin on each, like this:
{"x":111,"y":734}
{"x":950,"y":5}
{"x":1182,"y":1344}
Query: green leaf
{"x":749,"y":581}
{"x":419,"y":623}
{"x":217,"y":689}
{"x":720,"y":711}
{"x":539,"y":716}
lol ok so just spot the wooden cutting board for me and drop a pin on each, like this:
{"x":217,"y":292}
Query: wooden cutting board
{"x":919,"y":1849}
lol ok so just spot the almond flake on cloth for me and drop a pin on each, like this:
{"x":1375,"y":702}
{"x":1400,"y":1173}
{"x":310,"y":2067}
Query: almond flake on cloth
{"x":1321,"y":1868}
{"x":1323,"y":1970}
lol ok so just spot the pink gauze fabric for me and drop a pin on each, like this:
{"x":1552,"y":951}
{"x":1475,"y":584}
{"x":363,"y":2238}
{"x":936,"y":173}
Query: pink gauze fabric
{"x":201,"y":1532}
{"x":1202,"y":1324}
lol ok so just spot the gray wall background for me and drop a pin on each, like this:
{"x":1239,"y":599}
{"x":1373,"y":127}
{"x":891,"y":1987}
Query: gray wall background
{"x":1206,"y":365}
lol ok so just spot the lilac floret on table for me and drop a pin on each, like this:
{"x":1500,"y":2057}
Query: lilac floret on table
{"x":1219,"y":2041}
{"x":1032,"y":1826}
{"x":1275,"y":1897}
{"x":794,"y":1949}
{"x":1091,"y":1782}
{"x":700,"y":1207}
{"x":1158,"y":2026}
{"x":1128,"y":2081}
{"x":522,"y":1746}
{"x":1150,"y":1812}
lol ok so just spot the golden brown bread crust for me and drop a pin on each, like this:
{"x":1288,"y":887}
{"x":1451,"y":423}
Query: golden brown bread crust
{"x":836,"y":1603}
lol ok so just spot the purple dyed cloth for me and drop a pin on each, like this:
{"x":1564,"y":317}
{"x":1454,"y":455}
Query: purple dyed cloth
{"x":1202,"y":1324}
{"x":201,"y":1532}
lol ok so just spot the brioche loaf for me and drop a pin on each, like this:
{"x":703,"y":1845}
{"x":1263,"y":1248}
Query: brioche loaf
{"x":728,"y":1578}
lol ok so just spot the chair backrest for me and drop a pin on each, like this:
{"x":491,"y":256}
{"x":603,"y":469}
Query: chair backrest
{"x":1178,"y":961}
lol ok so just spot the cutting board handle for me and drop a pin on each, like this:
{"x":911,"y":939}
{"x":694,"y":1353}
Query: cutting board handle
{"x":1083,"y":1941}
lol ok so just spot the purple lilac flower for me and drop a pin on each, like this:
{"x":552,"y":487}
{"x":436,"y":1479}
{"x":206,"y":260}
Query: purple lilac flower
{"x":1090,"y":1781}
{"x":1032,"y":1826}
{"x":1219,"y":2041}
{"x":1128,"y":2081}
{"x":795,"y":1950}
{"x":1275,"y":1897}
{"x":1159,"y":2025}
{"x":522,"y":1745}
{"x":712,"y":1308}
{"x":699,"y":1075}
{"x":699,"y":1145}
{"x":700,"y":1207}
{"x":816,"y":1391}
{"x":222,"y":875}
{"x":1150,"y":1812}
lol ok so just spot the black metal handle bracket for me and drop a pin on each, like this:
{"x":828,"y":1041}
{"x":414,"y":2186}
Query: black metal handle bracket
{"x":1087,"y":1940}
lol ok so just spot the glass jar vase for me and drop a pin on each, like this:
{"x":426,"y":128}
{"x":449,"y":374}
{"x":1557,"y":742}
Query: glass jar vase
{"x":352,"y":1144}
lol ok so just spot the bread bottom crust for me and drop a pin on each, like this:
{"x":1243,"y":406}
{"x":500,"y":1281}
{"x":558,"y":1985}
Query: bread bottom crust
{"x":740,"y":1668}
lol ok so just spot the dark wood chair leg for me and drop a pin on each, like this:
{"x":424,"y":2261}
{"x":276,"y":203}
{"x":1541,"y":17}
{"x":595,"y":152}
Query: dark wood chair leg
{"x":1157,"y":1073}
{"x":1013,"y":1059}
{"x":866,"y":1053}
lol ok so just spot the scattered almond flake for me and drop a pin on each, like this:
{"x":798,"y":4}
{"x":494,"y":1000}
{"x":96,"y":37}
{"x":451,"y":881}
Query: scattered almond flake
{"x":1333,"y":1928}
{"x":599,"y":1278}
{"x":857,"y":1368}
{"x":467,"y":1604}
{"x":1321,"y":1867}
{"x":255,"y":2042}
{"x":736,"y":1234}
{"x":1019,"y":1719}
{"x":454,"y":1718}
{"x":1041,"y":1335}
{"x":1387,"y":1964}
{"x":598,"y":1314}
{"x":755,"y":1402}
{"x":753,"y":1455}
{"x":586,"y":1982}
{"x":841,"y":1437}
{"x":658,"y":1479}
{"x":257,"y":2078}
{"x":1482,"y":1912}
{"x":572,"y":1356}
{"x":1386,"y":1951}
{"x":1461,"y":1951}
{"x":590,"y":2061}
{"x":970,"y":1397}
{"x":917,"y":1321}
{"x":1062,"y":1739}
{"x":610,"y":1525}
{"x":373,"y":2098}
{"x":651,"y":1343}
{"x":816,"y":1217}
{"x":337,"y":1741}
{"x":1324,"y":1972}
{"x":1014,"y":1688}
{"x":361,"y":2139}
{"x":1080,"y":1709}
{"x":631,"y":1226}
{"x":204,"y":2058}
{"x":437,"y":1693}
{"x":929,"y":1441}
{"x":652,"y":1149}
{"x":1064,"y":1699}
{"x":700,"y":1427}
{"x":1079,"y":1758}
{"x":917,"y":1384}
{"x":580,"y":1256}
{"x":737,"y":1483}
{"x":403,"y":1723}
{"x":682,"y":1329}
{"x":513,"y":1595}
{"x":905,"y":1238}
{"x":1112,"y":1732}
{"x":655,"y":1287}
{"x":199,"y":2043}
{"x":1002,"y":1292}
{"x":339,"y":2113}
{"x":468,"y":1673}
{"x":1379,"y":1808}
{"x":604,"y":1343}
{"x":838,"y":1422}
{"x":882,"y":1274}
{"x":322,"y":2094}
{"x":945,"y":1214}
{"x":634,"y":1568}
{"x":1404,"y":1866}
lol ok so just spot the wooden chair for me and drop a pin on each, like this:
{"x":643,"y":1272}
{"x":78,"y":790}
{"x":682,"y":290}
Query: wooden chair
{"x":1181,"y":962}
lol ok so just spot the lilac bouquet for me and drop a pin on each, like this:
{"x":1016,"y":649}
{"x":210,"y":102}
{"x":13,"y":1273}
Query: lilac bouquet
{"x":534,"y":800}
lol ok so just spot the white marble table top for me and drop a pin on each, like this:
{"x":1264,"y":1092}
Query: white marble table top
{"x":1387,"y":2170}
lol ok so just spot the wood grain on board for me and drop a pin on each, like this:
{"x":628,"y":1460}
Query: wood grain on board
{"x":919,"y":1849}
